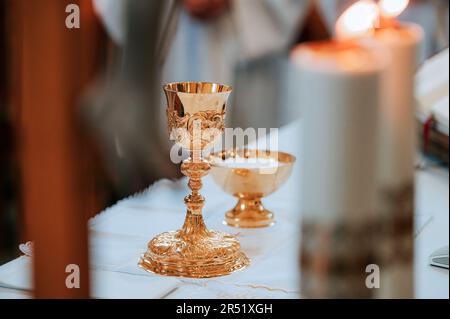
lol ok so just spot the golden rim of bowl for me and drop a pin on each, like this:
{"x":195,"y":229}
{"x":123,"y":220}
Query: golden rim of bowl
{"x":282,"y":157}
{"x":197,"y":87}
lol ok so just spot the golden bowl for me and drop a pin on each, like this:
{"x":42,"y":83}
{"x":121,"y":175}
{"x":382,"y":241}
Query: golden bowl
{"x":250,"y":175}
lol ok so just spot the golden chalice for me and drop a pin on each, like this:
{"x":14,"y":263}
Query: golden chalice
{"x":195,"y":114}
{"x":250,"y":175}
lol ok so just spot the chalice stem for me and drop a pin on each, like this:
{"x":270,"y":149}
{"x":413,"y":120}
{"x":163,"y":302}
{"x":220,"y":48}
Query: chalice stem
{"x":194,"y":225}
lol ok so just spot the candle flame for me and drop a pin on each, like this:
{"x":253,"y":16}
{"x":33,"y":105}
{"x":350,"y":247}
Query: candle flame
{"x":392,"y":8}
{"x":358,"y":20}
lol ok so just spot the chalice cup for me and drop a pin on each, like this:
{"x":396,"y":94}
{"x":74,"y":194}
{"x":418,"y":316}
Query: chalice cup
{"x":195,"y":114}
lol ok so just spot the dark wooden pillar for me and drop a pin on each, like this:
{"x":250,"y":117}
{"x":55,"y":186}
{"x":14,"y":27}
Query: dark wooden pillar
{"x":53,"y":64}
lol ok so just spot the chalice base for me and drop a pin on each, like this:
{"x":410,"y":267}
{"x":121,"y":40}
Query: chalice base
{"x":194,"y":255}
{"x":249,"y":214}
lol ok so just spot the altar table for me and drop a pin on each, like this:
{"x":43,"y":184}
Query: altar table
{"x":120,"y":234}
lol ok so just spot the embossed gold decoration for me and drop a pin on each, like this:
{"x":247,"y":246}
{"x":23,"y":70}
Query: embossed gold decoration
{"x":195,"y":115}
{"x":182,"y":129}
{"x":250,"y":185}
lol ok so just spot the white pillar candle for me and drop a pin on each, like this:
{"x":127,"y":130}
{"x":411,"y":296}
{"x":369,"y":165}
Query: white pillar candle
{"x":399,"y":44}
{"x":340,"y":90}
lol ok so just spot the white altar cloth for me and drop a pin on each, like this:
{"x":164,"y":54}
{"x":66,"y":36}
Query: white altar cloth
{"x":119,"y":235}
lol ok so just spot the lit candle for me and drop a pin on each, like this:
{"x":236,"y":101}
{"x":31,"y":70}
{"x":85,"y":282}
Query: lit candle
{"x":399,"y":43}
{"x":340,"y":89}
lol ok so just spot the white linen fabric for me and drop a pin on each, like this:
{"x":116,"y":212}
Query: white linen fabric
{"x":120,"y":234}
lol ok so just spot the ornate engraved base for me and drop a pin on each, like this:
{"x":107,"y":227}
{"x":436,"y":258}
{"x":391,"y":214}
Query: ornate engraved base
{"x":193,"y":252}
{"x":249,"y":213}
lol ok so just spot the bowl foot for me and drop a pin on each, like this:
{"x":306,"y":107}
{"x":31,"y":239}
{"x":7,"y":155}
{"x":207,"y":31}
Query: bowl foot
{"x":249,"y":214}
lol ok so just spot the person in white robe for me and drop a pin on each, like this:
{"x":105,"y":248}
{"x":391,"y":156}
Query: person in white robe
{"x":243,"y":46}
{"x":245,"y":43}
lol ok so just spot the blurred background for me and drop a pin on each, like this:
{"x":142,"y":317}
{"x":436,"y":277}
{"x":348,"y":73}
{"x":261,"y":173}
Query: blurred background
{"x":82,"y":121}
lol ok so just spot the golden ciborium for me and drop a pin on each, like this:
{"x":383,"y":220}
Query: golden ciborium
{"x":195,"y":114}
{"x":250,"y":175}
